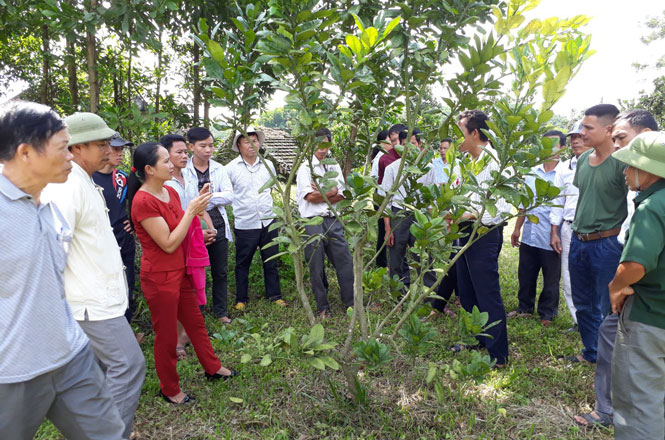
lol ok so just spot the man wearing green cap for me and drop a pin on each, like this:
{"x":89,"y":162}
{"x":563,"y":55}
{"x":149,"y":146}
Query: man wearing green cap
{"x":95,"y":283}
{"x":637,"y":291}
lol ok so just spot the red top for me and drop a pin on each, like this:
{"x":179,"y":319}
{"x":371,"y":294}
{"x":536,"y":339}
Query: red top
{"x":144,"y":206}
{"x":386,"y":160}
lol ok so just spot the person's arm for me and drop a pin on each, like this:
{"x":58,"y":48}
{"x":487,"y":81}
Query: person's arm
{"x":515,"y":237}
{"x":627,"y":274}
{"x":223,"y":194}
{"x":389,"y":238}
{"x":169,"y":240}
{"x":315,"y":196}
{"x":210,"y":234}
{"x":555,"y":239}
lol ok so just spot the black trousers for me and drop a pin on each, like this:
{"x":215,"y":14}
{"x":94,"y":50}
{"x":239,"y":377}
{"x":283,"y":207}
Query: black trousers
{"x":128,"y":253}
{"x":403,"y":240}
{"x":532,"y":261}
{"x":446,"y":288}
{"x":247,"y":241}
{"x":219,"y":260}
{"x":478,"y":282}
{"x":382,"y":257}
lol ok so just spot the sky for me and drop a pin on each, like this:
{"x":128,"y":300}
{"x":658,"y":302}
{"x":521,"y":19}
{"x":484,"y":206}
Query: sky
{"x":616,"y":28}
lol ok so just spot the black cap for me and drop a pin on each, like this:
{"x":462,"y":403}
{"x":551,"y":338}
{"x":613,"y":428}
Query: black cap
{"x":117,"y":141}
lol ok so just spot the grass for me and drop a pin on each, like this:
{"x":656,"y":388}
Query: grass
{"x":535,"y":397}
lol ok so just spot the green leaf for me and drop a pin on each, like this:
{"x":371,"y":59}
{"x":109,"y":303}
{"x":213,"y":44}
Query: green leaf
{"x":267,"y":360}
{"x":216,"y":52}
{"x":236,"y":399}
{"x":330,"y":362}
{"x":305,"y":118}
{"x":354,"y":44}
{"x":317,"y":363}
{"x":245,"y":358}
{"x":316,"y":334}
{"x":268,"y":184}
{"x":431,"y":372}
{"x":545,"y":116}
{"x":369,"y":37}
{"x":359,"y":22}
{"x":171,"y":6}
{"x":392,"y":25}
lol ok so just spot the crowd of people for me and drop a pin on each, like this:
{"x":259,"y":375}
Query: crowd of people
{"x":69,"y":277}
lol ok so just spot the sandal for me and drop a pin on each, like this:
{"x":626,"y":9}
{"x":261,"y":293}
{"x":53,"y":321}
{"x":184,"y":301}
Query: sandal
{"x":185,"y":400}
{"x":180,"y":352}
{"x":456,"y":348}
{"x":594,"y":419}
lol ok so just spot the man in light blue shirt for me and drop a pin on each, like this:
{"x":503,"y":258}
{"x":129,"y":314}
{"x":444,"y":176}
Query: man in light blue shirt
{"x":47,"y":367}
{"x":536,"y":254}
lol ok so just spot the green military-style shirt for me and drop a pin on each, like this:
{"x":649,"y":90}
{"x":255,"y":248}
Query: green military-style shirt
{"x":645,"y":244}
{"x":601,"y":205}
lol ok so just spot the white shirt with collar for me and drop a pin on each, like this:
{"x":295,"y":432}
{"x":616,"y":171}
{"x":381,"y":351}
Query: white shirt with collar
{"x":304,"y":186}
{"x":179,"y":188}
{"x":484,"y":179}
{"x":251,"y":209}
{"x":220,"y":186}
{"x":567,"y":199}
{"x":95,"y":283}
{"x":390,"y":175}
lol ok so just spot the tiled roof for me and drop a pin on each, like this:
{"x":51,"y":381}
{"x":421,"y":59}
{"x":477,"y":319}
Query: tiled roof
{"x":281,"y":147}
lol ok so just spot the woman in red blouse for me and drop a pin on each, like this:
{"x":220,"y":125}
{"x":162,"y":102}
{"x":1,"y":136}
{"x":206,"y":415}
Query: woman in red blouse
{"x":161,"y":226}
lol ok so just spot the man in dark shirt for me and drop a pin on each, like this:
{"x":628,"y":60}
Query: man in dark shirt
{"x":114,"y":183}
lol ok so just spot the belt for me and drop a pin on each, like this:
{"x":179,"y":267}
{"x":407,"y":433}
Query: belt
{"x":568,"y":221}
{"x":598,"y":235}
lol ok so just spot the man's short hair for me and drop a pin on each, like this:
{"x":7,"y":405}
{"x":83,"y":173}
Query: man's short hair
{"x":404,"y":133}
{"x":475,"y":120}
{"x":382,"y":136}
{"x":23,"y":122}
{"x":324,"y":132}
{"x":198,"y":134}
{"x":397,"y":128}
{"x":557,"y":133}
{"x":168,"y":140}
{"x":606,"y":112}
{"x":450,"y":141}
{"x":639,"y":119}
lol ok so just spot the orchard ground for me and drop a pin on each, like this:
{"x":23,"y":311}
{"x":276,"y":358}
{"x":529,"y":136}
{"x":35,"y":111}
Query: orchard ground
{"x":535,"y":397}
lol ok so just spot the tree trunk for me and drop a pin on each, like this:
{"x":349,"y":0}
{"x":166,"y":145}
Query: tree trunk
{"x":197,"y":91}
{"x":159,"y":73}
{"x":91,"y":46}
{"x":352,"y":142}
{"x":206,"y":109}
{"x":128,"y":94}
{"x":46,"y":61}
{"x":71,"y":72}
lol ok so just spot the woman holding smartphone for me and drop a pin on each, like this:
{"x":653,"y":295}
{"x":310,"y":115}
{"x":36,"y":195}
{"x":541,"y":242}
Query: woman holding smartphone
{"x":161,"y":226}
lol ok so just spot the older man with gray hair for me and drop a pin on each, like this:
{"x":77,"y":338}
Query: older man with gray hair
{"x":95,"y":283}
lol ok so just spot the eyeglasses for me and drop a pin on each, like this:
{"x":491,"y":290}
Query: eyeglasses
{"x":101,"y":144}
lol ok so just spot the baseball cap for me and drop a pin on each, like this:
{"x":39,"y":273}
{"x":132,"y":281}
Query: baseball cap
{"x":645,"y":152}
{"x":87,"y":127}
{"x":117,"y":141}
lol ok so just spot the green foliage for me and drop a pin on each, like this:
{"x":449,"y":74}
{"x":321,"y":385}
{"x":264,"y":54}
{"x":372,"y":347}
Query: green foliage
{"x":418,"y":335}
{"x":472,"y":325}
{"x":372,"y":353}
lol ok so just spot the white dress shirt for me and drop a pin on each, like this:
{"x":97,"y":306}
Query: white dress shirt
{"x":94,"y":277}
{"x":390,"y":175}
{"x":374,"y":172}
{"x":484,"y":179}
{"x":304,"y":186}
{"x":252,"y":209}
{"x":567,"y":199}
{"x":179,"y":187}
{"x":626,"y":223}
{"x":220,"y":186}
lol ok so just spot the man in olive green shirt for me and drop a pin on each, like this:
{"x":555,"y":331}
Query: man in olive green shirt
{"x":601,"y":209}
{"x":638,"y":293}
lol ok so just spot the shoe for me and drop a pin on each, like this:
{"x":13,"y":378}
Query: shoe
{"x":546,"y":322}
{"x":594,"y":419}
{"x":225,"y":320}
{"x":517,"y":314}
{"x":240,"y":306}
{"x":324,"y":314}
{"x":573,"y":329}
{"x":280,"y":302}
{"x":217,"y":376}
{"x":577,"y":359}
{"x":187,"y":399}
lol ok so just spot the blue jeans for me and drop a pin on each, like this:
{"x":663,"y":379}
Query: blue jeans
{"x":592,"y":265}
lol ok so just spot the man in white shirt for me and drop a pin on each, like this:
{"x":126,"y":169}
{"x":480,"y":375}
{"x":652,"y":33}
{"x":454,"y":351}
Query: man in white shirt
{"x":478,"y":267}
{"x":253,"y":216}
{"x":383,"y":143}
{"x":95,"y":283}
{"x":311,"y":203}
{"x":201,"y":169}
{"x":562,"y":216}
{"x":398,"y":234}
